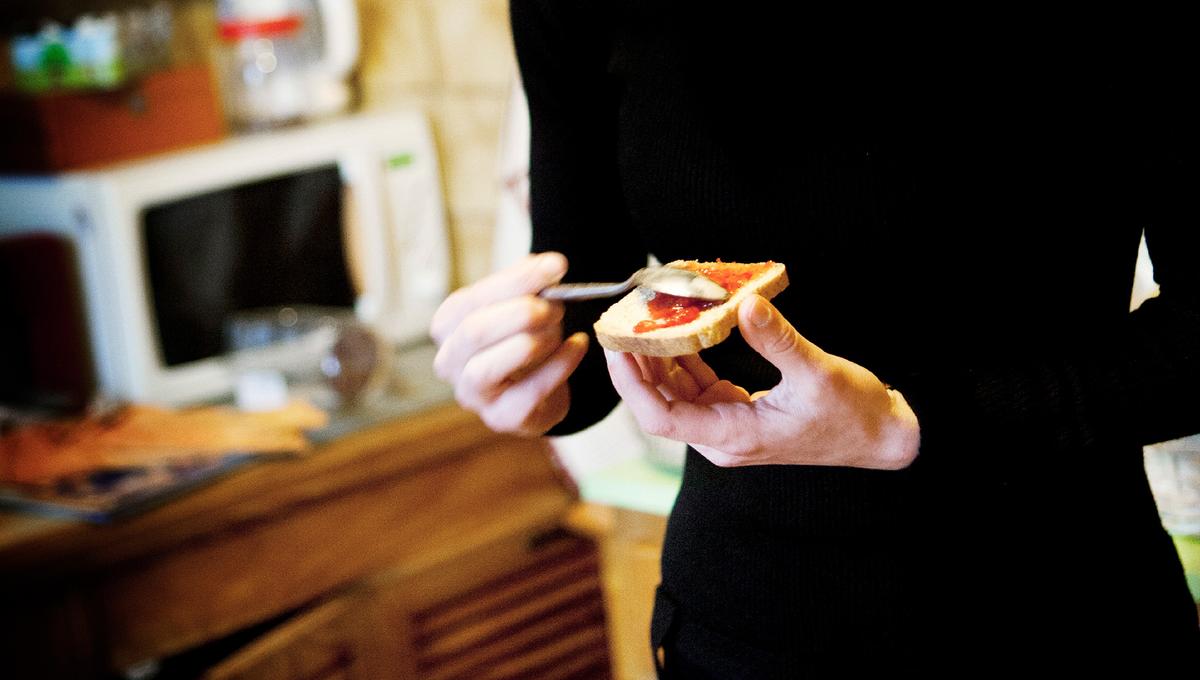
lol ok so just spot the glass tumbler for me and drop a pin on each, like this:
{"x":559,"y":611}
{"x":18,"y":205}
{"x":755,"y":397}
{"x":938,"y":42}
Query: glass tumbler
{"x":323,"y":355}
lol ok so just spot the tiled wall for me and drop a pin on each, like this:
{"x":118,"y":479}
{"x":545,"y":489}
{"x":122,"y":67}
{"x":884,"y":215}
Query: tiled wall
{"x":454,"y":60}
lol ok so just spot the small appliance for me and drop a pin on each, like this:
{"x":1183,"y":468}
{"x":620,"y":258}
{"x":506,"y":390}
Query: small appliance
{"x":344,"y":213}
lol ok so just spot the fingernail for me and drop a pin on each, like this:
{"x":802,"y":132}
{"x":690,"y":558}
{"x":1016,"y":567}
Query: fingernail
{"x":551,"y":263}
{"x":609,"y":355}
{"x":760,"y":313}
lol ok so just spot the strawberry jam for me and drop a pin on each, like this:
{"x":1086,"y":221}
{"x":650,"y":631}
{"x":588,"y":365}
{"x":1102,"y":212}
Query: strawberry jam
{"x":673,"y":310}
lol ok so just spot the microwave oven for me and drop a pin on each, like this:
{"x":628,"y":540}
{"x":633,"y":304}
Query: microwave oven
{"x":348,"y":212}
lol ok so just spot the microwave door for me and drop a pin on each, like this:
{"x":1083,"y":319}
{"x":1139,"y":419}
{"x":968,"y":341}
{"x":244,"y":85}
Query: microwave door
{"x":268,"y":243}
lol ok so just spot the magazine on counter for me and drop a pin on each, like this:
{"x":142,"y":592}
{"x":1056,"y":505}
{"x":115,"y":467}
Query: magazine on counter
{"x":107,"y":494}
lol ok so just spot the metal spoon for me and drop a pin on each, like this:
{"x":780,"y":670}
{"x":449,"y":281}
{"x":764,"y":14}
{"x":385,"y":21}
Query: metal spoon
{"x":669,"y":280}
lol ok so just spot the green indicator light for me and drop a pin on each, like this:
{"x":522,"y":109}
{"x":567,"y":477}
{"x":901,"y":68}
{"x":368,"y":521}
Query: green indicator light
{"x":400,"y":160}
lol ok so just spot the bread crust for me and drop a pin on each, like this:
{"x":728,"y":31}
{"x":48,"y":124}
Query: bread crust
{"x":614,"y":329}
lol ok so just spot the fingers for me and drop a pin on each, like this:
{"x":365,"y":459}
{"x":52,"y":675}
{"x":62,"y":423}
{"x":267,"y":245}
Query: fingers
{"x":684,"y":377}
{"x":646,"y":364}
{"x":539,"y":399}
{"x":701,"y":372}
{"x":502,"y":348}
{"x":490,"y":325}
{"x":494,"y":369}
{"x":680,"y":383}
{"x":765,"y":329}
{"x":654,"y":371}
{"x":525,"y":278}
{"x":548,"y":412}
{"x":679,"y":420}
{"x":723,"y":391}
{"x":644,"y":401}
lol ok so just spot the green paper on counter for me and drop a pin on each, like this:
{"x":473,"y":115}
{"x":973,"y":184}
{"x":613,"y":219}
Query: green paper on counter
{"x":635,"y":484}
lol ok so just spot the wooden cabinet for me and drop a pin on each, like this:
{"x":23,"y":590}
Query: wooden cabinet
{"x":427,"y":548}
{"x":542,"y":619}
{"x":515,"y":609}
{"x":631,"y":548}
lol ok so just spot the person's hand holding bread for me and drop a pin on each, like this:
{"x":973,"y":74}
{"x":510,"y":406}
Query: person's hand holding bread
{"x":502,"y":348}
{"x":825,"y":410}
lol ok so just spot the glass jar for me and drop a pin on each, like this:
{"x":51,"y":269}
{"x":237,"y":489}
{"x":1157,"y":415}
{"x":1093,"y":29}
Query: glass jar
{"x":323,"y":355}
{"x":264,"y":61}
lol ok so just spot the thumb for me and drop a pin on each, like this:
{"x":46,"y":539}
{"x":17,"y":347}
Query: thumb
{"x":765,"y":329}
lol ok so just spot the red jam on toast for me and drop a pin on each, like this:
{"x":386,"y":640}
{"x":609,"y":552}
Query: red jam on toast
{"x":673,"y":310}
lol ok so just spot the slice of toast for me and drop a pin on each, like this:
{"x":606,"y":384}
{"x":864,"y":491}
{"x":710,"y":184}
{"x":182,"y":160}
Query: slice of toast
{"x":615,"y":329}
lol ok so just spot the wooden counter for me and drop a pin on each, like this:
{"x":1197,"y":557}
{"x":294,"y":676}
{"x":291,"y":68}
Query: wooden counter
{"x":331,"y":562}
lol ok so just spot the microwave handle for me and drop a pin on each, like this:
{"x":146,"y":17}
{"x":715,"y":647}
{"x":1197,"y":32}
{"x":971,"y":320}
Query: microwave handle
{"x":352,"y":241}
{"x":340,"y":29}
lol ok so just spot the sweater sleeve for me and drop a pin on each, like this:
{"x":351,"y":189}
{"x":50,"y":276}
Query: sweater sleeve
{"x":1134,"y":386}
{"x":576,"y":202}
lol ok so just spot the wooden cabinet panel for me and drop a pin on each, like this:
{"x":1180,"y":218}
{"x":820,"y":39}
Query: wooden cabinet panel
{"x":541,"y":618}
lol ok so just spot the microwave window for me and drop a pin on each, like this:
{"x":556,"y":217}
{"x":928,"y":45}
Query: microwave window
{"x":272,"y":242}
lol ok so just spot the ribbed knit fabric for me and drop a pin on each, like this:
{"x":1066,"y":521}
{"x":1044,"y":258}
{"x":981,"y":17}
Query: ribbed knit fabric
{"x":960,"y":214}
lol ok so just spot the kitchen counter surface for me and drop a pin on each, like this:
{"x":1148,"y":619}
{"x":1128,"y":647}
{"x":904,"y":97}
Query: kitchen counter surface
{"x":412,"y":389}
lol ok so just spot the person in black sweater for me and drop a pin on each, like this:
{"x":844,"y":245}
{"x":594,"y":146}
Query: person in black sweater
{"x":944,"y":458}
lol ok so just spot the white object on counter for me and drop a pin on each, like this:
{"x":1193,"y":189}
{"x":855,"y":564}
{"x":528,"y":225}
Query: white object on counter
{"x":261,"y":390}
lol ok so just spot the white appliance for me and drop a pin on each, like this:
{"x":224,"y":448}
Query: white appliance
{"x":208,"y":231}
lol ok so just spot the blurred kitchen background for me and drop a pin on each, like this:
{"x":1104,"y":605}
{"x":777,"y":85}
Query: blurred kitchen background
{"x":452,"y":60}
{"x":224,"y":225}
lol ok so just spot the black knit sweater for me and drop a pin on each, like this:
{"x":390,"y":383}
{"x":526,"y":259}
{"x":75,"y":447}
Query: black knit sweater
{"x":961,"y":216}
